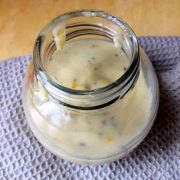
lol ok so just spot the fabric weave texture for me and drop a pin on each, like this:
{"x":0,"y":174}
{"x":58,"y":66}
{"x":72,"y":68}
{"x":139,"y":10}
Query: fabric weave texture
{"x":22,"y":157}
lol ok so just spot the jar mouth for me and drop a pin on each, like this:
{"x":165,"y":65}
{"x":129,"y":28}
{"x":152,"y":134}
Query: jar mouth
{"x":48,"y":81}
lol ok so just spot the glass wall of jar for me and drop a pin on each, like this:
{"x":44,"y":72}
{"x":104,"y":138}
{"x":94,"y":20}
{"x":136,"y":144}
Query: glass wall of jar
{"x":90,"y":92}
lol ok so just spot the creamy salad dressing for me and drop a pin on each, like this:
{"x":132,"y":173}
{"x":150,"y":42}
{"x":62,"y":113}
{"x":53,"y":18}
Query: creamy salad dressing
{"x":87,"y":65}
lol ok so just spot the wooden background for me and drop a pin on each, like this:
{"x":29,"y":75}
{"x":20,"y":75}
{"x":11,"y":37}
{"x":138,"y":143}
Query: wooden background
{"x":21,"y":20}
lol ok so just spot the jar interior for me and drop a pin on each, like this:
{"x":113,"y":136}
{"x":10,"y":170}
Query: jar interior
{"x":88,"y":28}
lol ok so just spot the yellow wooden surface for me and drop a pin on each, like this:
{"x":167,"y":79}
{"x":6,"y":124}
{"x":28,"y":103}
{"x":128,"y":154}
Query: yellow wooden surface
{"x":21,"y":20}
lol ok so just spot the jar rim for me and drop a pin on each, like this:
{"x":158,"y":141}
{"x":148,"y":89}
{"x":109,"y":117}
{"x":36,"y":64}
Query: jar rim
{"x":40,"y":70}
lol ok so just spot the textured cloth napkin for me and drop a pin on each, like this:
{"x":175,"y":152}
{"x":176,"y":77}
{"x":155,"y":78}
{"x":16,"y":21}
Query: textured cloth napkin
{"x":157,"y":157}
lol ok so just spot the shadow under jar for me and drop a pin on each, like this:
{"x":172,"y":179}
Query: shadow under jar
{"x":95,"y":99}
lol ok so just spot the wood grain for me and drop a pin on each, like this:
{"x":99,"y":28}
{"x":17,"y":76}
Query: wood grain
{"x":21,"y":20}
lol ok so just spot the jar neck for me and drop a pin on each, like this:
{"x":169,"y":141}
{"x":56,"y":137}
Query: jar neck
{"x":94,"y":24}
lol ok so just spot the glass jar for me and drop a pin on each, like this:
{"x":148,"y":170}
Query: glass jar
{"x":95,"y":125}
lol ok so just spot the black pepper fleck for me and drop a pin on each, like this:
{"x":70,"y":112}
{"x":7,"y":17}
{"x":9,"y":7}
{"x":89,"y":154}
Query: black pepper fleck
{"x":81,"y":144}
{"x":87,"y":86}
{"x":104,"y":122}
{"x":125,"y":68}
{"x":89,"y":61}
{"x":109,"y":121}
{"x":132,"y":87}
{"x":112,"y":118}
{"x":93,"y":46}
{"x":116,"y":55}
{"x":100,"y":133}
